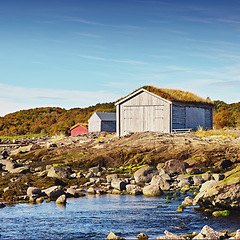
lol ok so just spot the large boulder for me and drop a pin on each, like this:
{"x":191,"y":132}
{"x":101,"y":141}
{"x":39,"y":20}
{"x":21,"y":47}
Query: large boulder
{"x":175,"y":167}
{"x":53,"y":192}
{"x":58,"y":172}
{"x":119,"y":184}
{"x":207,"y":184}
{"x":160,"y":182}
{"x":112,"y":177}
{"x":145,"y":174}
{"x":208,"y":233}
{"x":152,"y":190}
{"x":197,"y":180}
{"x":224,"y":194}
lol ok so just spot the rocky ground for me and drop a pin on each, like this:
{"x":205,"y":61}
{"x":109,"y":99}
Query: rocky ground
{"x":34,"y":170}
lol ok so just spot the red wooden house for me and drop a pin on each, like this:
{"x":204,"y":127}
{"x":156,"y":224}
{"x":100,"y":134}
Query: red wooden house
{"x":77,"y":130}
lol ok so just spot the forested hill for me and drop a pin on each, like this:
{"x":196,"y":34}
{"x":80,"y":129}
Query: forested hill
{"x":48,"y":120}
{"x":226,"y":115}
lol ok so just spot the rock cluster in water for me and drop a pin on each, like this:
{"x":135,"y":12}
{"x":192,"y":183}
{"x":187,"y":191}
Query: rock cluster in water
{"x":207,"y":233}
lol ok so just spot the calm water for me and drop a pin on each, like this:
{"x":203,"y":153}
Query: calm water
{"x":93,"y":217}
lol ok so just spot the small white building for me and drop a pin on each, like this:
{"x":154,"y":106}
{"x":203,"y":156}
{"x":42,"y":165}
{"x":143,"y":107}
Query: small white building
{"x":102,"y":122}
{"x":162,"y":110}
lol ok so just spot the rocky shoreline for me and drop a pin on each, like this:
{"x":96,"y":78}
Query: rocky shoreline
{"x":151,"y":164}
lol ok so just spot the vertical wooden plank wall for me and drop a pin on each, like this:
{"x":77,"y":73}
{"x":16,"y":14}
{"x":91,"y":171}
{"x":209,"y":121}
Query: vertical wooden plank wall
{"x":143,"y":112}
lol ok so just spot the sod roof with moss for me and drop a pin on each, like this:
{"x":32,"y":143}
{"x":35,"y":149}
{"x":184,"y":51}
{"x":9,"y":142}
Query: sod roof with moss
{"x":175,"y":95}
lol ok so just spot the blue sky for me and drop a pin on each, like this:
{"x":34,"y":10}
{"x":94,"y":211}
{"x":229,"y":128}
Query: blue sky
{"x":77,"y":53}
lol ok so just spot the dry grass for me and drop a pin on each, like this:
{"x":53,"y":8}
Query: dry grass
{"x":216,"y":134}
{"x":176,"y":95}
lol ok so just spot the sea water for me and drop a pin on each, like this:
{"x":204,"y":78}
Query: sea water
{"x":94,"y":217}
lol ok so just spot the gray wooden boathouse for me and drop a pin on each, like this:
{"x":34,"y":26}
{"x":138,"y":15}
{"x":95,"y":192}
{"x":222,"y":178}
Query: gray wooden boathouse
{"x":102,"y":122}
{"x":162,"y":110}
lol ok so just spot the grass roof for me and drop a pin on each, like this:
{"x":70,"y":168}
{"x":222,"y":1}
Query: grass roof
{"x":176,"y":95}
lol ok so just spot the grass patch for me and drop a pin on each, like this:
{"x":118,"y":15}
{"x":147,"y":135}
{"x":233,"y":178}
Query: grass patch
{"x":21,"y":137}
{"x":215,"y":134}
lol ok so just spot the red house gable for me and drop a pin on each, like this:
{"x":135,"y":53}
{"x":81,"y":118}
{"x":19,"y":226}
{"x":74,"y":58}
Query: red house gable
{"x":78,"y":129}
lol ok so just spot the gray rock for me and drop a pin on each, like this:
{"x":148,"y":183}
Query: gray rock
{"x":208,"y":233}
{"x":207,"y":176}
{"x":220,"y":196}
{"x":23,"y":170}
{"x":51,"y":145}
{"x":218,"y":177}
{"x":197,"y":180}
{"x":226,"y":163}
{"x":90,"y":175}
{"x":71,"y":192}
{"x":58,"y":172}
{"x":34,"y":192}
{"x":9,"y":165}
{"x":95,"y":170}
{"x":152,"y":190}
{"x":170,"y":235}
{"x":91,"y":191}
{"x":165,"y":176}
{"x":133,"y":189}
{"x":119,"y":184}
{"x":193,"y":171}
{"x":95,"y":180}
{"x":184,"y":182}
{"x":175,"y":167}
{"x":113,"y":236}
{"x":111,"y":177}
{"x":28,"y":148}
{"x":54,"y":192}
{"x":73,"y":175}
{"x":160,"y":167}
{"x":160,"y":182}
{"x":61,"y":199}
{"x":207,"y":184}
{"x":187,"y":201}
{"x":145,"y":174}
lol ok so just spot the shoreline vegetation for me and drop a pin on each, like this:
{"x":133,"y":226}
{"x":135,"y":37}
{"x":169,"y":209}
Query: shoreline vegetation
{"x":205,"y":165}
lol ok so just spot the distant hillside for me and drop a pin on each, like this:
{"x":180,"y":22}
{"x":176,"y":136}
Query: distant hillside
{"x":226,"y":115}
{"x":48,"y":121}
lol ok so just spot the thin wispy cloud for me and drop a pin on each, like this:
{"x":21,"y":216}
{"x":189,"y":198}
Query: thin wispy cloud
{"x":226,"y":83}
{"x":209,"y":20}
{"x":172,"y":69}
{"x":96,"y":58}
{"x":85,"y":21}
{"x":89,"y":35}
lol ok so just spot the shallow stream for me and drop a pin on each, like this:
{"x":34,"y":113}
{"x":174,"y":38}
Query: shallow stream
{"x":94,"y":217}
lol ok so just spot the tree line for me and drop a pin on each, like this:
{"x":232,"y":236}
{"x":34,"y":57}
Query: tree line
{"x":48,"y":120}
